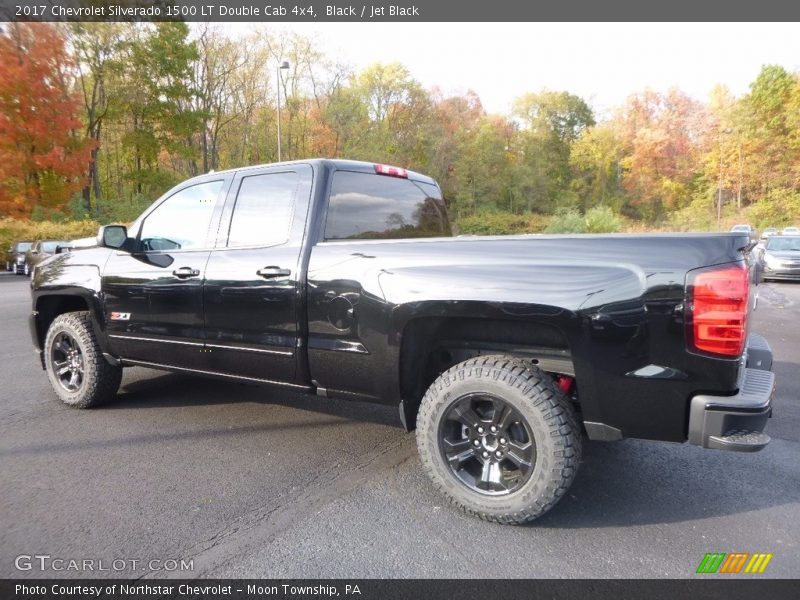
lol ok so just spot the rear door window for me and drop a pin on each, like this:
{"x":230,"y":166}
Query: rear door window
{"x":264,"y":210}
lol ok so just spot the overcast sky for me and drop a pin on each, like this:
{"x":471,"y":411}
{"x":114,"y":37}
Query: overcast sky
{"x":601,"y":62}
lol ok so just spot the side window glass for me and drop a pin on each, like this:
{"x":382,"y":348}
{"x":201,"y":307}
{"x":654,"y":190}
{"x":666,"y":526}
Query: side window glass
{"x":263,"y":211}
{"x":181,"y":221}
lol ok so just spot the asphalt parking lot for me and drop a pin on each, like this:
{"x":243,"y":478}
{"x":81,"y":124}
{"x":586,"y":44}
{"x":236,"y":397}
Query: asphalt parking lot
{"x":249,"y":482}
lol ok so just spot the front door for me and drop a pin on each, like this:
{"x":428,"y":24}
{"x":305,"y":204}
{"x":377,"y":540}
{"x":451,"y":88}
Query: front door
{"x":154,"y":294}
{"x":253,"y":278}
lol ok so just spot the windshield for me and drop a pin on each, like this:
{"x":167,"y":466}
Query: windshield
{"x":784,"y":244}
{"x":741,"y":228}
{"x":22,"y":246}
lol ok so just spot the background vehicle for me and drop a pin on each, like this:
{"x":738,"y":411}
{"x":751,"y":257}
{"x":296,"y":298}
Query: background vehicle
{"x":39,"y":251}
{"x":16,"y":256}
{"x":769,"y":232}
{"x":781,"y":258}
{"x":340,"y":278}
{"x":87,"y":242}
{"x":791,"y":231}
{"x":748,"y":229}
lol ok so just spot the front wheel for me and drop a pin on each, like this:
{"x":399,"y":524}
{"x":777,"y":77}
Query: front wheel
{"x":499,"y":439}
{"x":79,"y":374}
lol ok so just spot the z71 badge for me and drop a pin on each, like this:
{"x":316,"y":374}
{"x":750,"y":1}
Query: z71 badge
{"x":119,"y":316}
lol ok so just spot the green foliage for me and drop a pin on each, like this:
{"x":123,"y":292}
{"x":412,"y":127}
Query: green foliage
{"x":551,"y":123}
{"x":595,"y":161}
{"x":780,"y":208}
{"x":598,"y":219}
{"x":500,"y":223}
{"x":567,"y":220}
{"x":124,"y":211}
{"x":601,"y":219}
{"x":76,"y":209}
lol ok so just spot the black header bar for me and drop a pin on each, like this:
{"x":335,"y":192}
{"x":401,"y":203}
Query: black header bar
{"x":411,"y":11}
{"x":708,"y":587}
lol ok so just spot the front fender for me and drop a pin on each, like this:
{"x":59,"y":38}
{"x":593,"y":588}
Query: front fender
{"x":65,"y":283}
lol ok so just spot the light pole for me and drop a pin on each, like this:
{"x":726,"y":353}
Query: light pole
{"x":283,"y":66}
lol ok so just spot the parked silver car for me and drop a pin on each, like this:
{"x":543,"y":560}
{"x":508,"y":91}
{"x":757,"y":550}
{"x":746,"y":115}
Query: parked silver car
{"x":781,"y":257}
{"x":40,"y":251}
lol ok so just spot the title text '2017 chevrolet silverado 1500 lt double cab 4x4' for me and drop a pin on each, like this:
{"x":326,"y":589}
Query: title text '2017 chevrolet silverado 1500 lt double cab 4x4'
{"x":340,"y":278}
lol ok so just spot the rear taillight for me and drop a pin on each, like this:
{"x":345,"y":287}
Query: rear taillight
{"x":717,"y":309}
{"x":391,"y":171}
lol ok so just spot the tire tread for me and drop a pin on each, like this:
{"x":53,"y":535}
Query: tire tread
{"x":104,"y":383}
{"x":540,"y":389}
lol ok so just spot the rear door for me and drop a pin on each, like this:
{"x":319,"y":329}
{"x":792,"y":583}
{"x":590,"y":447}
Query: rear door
{"x":154,"y":294}
{"x":253,"y":280}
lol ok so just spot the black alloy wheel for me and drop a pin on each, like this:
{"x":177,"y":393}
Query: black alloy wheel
{"x":488,"y":445}
{"x":66,"y":359}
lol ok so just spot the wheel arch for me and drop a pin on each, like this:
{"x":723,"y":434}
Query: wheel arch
{"x":48,"y":306}
{"x":429,"y":345}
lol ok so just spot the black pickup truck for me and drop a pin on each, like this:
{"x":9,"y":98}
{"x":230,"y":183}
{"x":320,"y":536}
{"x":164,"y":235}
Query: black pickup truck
{"x":342,"y":279}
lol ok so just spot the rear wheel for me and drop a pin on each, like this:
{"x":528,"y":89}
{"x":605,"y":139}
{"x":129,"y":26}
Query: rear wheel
{"x":499,"y":439}
{"x":79,"y":374}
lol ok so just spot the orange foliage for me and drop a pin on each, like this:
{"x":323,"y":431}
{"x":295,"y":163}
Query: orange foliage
{"x":662,"y":134}
{"x":43,"y":156}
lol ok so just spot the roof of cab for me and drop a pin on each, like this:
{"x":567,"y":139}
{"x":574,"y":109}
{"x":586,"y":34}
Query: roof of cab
{"x":337,"y":164}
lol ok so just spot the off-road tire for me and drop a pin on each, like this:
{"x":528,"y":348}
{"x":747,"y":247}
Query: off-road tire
{"x":534,"y":395}
{"x":100,"y":379}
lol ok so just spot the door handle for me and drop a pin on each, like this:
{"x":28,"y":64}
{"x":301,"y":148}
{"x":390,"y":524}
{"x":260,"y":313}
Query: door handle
{"x":185,"y":272}
{"x":272,"y":272}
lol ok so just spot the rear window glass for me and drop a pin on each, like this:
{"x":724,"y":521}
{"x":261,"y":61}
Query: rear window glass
{"x":368,"y":207}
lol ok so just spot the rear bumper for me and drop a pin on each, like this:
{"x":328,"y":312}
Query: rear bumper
{"x":791,"y":273}
{"x":783,"y":275}
{"x":737,"y":422}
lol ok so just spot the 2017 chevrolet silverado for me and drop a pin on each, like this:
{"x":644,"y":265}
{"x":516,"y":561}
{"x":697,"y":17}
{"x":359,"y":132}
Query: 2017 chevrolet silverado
{"x":341,"y":279}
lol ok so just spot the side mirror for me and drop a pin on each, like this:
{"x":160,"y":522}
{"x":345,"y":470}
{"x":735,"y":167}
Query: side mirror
{"x":112,"y":236}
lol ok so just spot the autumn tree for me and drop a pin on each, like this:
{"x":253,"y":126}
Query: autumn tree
{"x":43,"y":156}
{"x":97,"y":48}
{"x":551,"y":122}
{"x":595,"y":163}
{"x":659,"y":134}
{"x":158,"y":99}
